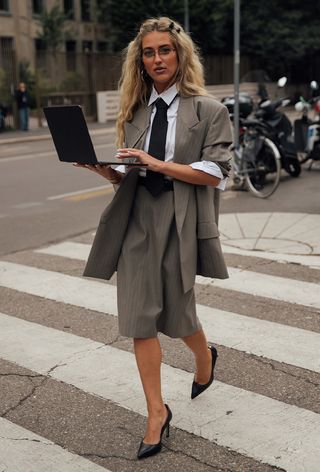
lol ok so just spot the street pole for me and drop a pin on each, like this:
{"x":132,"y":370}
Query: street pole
{"x":236,"y":73}
{"x":186,"y":16}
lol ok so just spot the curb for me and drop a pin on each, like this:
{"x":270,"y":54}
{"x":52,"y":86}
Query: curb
{"x":43,"y":137}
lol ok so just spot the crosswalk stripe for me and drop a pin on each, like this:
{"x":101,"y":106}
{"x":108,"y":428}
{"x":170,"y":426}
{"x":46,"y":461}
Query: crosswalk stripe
{"x":24,"y":451}
{"x":75,"y":250}
{"x":286,"y":436}
{"x":259,"y":337}
{"x":269,"y":286}
{"x":253,"y":283}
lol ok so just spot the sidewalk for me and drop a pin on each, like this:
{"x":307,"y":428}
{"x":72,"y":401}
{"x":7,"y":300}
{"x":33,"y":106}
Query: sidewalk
{"x":38,"y":134}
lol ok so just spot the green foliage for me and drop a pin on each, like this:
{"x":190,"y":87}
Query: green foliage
{"x":279,"y":33}
{"x":52,"y":24}
{"x":73,"y":82}
{"x":275,"y":34}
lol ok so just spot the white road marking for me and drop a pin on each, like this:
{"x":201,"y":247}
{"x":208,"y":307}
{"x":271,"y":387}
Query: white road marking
{"x":254,"y":283}
{"x":269,"y":286}
{"x":22,"y":450}
{"x":260,"y":427}
{"x":309,"y":261}
{"x":81,"y":251}
{"x":27,"y":205}
{"x":78,"y":192}
{"x":259,"y":337}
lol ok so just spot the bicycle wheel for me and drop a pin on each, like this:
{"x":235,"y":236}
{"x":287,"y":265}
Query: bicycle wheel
{"x":262,"y":174}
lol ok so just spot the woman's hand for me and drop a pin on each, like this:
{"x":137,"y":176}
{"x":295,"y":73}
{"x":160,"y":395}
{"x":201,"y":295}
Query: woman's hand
{"x":153,"y":164}
{"x":105,"y":171}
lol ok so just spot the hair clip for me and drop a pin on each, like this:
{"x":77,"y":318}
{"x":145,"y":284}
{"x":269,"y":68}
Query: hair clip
{"x":172,"y":26}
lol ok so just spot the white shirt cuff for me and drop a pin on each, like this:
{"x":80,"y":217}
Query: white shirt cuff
{"x":121,"y":168}
{"x":212,"y":169}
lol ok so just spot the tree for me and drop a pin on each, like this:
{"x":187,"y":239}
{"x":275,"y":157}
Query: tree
{"x":53,"y":32}
{"x":279,"y":33}
{"x":275,"y":35}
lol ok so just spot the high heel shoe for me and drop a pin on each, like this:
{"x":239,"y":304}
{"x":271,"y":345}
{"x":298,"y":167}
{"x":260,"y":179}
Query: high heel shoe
{"x":198,"y":388}
{"x":146,"y":450}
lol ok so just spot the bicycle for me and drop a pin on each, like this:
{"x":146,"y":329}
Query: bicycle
{"x":257,"y":160}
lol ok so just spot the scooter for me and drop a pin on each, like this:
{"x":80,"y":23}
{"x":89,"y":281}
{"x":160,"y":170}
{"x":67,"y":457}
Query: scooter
{"x":307,"y":131}
{"x":280,"y":128}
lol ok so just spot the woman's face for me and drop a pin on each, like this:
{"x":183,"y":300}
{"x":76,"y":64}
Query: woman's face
{"x":159,"y":58}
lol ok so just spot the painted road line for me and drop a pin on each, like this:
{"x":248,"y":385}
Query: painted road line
{"x":274,"y":341}
{"x":269,"y":286}
{"x":69,"y":249}
{"x":262,"y":428}
{"x":309,"y":261}
{"x":253,"y":283}
{"x":88,"y":195}
{"x":24,"y":451}
{"x":79,"y":192}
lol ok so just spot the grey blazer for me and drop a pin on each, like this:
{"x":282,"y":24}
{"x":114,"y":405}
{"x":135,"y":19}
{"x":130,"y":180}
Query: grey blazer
{"x":203,"y":132}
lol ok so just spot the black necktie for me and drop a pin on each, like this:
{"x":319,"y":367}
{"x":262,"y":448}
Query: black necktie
{"x":157,"y":147}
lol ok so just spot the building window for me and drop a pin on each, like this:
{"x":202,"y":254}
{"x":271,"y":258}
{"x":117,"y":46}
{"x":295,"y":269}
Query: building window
{"x":6,"y":53}
{"x":71,"y":58}
{"x":68,"y":9}
{"x":87,"y":46}
{"x":37,"y":7}
{"x":102,"y":46}
{"x":4,"y":5}
{"x":41,"y":56}
{"x":6,"y":45}
{"x":85,"y":10}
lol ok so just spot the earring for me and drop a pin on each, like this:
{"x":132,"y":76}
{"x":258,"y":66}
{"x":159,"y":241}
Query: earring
{"x":143,"y":74}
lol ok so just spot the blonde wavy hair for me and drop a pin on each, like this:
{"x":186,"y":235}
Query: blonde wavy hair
{"x":135,"y":85}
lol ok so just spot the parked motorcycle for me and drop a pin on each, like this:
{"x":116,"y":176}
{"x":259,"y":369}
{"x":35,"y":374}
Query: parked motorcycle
{"x":280,"y":128}
{"x":306,"y":130}
{"x":275,"y":125}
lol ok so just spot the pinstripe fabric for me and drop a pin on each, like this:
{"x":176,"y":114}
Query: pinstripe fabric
{"x":150,"y":290}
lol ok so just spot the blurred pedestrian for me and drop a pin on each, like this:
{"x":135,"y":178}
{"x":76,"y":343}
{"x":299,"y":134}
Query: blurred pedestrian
{"x":3,"y":114}
{"x":23,"y":102}
{"x":164,"y":226}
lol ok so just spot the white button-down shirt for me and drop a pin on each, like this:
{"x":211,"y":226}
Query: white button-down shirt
{"x":172,"y":99}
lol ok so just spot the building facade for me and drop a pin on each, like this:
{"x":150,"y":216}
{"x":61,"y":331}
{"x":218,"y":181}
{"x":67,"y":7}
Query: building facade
{"x":20,"y":27}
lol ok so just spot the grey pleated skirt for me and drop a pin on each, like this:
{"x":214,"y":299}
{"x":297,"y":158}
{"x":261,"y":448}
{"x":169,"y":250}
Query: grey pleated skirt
{"x":150,"y":292}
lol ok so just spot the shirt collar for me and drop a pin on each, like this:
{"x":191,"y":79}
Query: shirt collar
{"x":168,"y":95}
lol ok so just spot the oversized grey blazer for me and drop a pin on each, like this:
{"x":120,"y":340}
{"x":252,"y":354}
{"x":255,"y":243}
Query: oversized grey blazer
{"x":203,"y":132}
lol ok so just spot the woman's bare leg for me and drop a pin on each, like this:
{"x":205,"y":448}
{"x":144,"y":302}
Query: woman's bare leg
{"x":148,"y":357}
{"x":197,"y":342}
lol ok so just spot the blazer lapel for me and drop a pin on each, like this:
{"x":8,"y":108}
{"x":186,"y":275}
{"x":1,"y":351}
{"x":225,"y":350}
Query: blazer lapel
{"x":186,"y":119}
{"x":136,"y":129}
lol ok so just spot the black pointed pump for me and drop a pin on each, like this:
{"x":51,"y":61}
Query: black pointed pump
{"x":199,"y":388}
{"x":146,"y":450}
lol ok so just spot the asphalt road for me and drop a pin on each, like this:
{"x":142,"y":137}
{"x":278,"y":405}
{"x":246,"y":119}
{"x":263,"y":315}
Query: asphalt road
{"x":43,"y":200}
{"x":71,"y":400}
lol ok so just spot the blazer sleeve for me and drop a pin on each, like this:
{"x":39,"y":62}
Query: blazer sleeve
{"x":218,"y":140}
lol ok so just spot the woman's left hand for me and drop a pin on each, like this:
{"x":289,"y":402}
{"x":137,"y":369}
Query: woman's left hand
{"x":153,"y":164}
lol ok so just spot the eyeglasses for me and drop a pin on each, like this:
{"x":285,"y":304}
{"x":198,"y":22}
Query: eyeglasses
{"x":162,"y":51}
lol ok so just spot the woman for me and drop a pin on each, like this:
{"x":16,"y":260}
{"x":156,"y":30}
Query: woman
{"x":169,"y":123}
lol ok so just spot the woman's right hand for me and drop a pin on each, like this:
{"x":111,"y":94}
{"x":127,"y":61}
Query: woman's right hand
{"x":105,"y":171}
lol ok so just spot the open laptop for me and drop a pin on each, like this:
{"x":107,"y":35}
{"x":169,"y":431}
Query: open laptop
{"x":71,"y":137}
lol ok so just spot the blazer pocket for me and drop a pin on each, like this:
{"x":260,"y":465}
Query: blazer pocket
{"x":207,"y":230}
